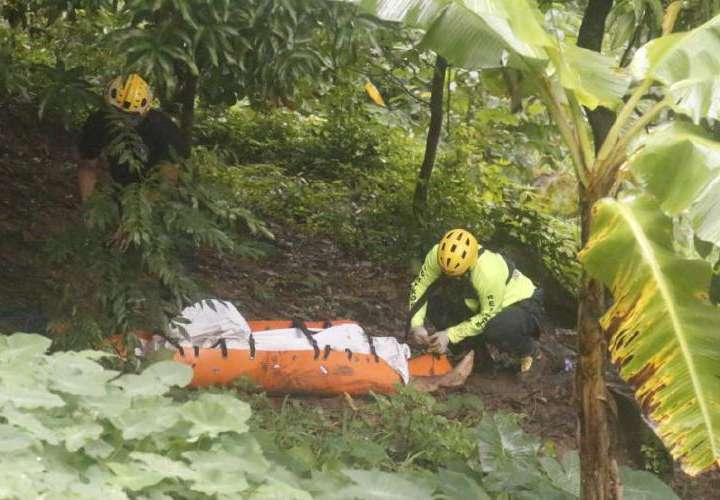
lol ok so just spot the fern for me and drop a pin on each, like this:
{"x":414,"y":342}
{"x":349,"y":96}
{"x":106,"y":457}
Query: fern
{"x":127,"y":264}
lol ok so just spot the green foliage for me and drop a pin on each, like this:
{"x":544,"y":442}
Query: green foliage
{"x":304,"y":171}
{"x":13,"y":74}
{"x":126,"y":266}
{"x":631,"y":248}
{"x":269,"y":52}
{"x":331,"y":145}
{"x":451,"y":448}
{"x":71,"y":428}
{"x":656,"y":458}
{"x":410,"y":430}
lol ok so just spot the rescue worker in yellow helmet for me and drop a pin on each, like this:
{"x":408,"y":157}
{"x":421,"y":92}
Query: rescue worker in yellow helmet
{"x":475,"y":299}
{"x":161,"y":137}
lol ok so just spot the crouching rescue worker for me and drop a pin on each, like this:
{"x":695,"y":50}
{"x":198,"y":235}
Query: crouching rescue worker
{"x":161,"y":140}
{"x":475,"y":298}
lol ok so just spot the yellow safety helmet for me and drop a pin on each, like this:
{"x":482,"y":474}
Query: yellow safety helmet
{"x":457,"y":252}
{"x":131,"y":94}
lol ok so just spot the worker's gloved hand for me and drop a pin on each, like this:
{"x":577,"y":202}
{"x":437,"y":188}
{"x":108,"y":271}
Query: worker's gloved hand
{"x":419,"y":335}
{"x":439,"y":342}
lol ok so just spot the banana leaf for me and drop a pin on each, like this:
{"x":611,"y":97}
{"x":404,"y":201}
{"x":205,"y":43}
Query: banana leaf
{"x":483,"y":34}
{"x":688,"y":64}
{"x":679,"y":164}
{"x":664,"y":333}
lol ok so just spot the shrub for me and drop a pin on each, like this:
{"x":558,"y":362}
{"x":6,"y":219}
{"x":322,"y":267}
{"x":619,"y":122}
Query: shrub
{"x":128,"y":265}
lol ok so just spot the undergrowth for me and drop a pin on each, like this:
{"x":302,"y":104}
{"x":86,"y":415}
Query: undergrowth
{"x":358,"y":191}
{"x":408,"y":430}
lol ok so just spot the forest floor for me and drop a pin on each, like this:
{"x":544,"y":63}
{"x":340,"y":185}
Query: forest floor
{"x":304,"y":277}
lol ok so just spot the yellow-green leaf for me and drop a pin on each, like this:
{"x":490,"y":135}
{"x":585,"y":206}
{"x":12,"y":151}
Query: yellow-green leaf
{"x":664,"y":333}
{"x":688,"y":64}
{"x":374,"y":94}
{"x":679,"y":164}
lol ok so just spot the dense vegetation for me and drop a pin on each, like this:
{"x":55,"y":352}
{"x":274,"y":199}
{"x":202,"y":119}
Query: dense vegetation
{"x":73,"y":429}
{"x":312,"y":116}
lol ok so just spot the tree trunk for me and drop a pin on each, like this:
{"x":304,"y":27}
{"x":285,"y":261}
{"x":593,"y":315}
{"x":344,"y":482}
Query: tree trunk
{"x":596,"y":416}
{"x":599,"y":471}
{"x":590,"y":36}
{"x":433,"y":137}
{"x":512,"y":81}
{"x":187,"y":99}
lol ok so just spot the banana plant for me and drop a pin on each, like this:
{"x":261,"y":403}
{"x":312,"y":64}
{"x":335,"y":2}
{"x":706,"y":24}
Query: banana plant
{"x":657,"y":162}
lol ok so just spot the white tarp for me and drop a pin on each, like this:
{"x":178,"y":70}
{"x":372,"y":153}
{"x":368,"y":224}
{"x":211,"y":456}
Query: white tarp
{"x":211,"y":320}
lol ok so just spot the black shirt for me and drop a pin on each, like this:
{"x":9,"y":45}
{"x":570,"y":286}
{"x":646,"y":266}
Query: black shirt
{"x":159,"y":134}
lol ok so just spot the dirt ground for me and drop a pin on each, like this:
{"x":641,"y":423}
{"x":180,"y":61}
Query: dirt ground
{"x":304,"y":278}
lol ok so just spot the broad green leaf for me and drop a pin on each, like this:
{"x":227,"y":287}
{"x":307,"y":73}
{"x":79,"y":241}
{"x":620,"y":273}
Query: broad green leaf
{"x":18,"y":472}
{"x":246,"y":449}
{"x":663,"y":331}
{"x":642,"y":485}
{"x":163,"y":465}
{"x":496,"y":33}
{"x":471,"y":35}
{"x":279,"y":491}
{"x":146,"y":417}
{"x":692,"y":55}
{"x":156,"y":379}
{"x":134,"y":476}
{"x":697,"y":99}
{"x":679,"y":164}
{"x":22,"y":347}
{"x":170,"y":373}
{"x":78,"y":435}
{"x":594,"y":78}
{"x":98,"y":449}
{"x":28,"y":422}
{"x":503,"y":445}
{"x":686,"y":63}
{"x":378,"y":485}
{"x":217,"y":472}
{"x":212,"y":414}
{"x":13,"y":439}
{"x":73,"y":373}
{"x":99,"y":479}
{"x":28,"y":397}
{"x":564,"y":475}
{"x":324,"y":484}
{"x":105,"y":491}
{"x":456,"y":486}
{"x":110,"y":405}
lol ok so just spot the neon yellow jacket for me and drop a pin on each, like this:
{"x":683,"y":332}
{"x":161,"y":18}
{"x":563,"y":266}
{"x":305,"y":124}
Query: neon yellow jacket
{"x":489,"y":278}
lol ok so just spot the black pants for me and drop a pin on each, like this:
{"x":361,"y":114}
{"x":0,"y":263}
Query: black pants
{"x":512,"y":332}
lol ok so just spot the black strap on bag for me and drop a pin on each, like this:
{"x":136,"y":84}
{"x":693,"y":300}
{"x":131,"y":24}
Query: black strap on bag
{"x":172,"y":342}
{"x":223,"y":347}
{"x":371,"y":343}
{"x":251,"y":341}
{"x":300,"y":325}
